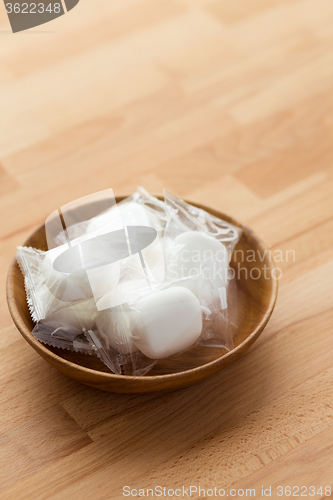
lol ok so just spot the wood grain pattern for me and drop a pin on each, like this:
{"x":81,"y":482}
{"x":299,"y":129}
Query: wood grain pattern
{"x":229,"y":104}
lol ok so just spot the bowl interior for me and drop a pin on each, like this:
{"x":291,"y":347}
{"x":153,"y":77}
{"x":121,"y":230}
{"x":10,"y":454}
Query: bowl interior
{"x":254,"y":288}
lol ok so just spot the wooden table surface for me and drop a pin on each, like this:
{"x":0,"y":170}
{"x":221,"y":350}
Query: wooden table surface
{"x":225,"y":102}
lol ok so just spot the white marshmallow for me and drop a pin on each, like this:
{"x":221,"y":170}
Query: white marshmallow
{"x":115,"y":328}
{"x":126,"y":291}
{"x":198,"y":256}
{"x":65,"y":287}
{"x":104,"y":279}
{"x":154,"y":261}
{"x":168,"y":322}
{"x":133,"y":214}
{"x":73,"y":317}
{"x":126,"y":214}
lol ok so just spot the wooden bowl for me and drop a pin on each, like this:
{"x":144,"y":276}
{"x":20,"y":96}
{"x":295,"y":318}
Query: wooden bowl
{"x":256,"y":296}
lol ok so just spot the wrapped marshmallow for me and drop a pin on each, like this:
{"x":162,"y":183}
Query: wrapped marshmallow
{"x":114,"y":326}
{"x":170,"y":321}
{"x":127,"y":290}
{"x":132,"y":214}
{"x":123,"y":214}
{"x":198,"y":256}
{"x":64,"y":286}
{"x":65,"y":327}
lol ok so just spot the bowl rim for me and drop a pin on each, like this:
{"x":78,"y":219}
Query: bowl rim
{"x":211,"y":366}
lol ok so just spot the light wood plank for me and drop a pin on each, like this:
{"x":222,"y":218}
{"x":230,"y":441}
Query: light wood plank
{"x":226,"y":103}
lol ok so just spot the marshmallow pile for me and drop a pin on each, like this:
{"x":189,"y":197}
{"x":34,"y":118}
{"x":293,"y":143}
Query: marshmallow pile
{"x":155,"y":302}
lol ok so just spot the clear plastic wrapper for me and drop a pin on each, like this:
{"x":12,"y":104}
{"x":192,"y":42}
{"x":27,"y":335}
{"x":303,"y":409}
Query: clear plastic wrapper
{"x":198,"y":248}
{"x":153,"y":323}
{"x":58,"y":323}
{"x":134,"y":282}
